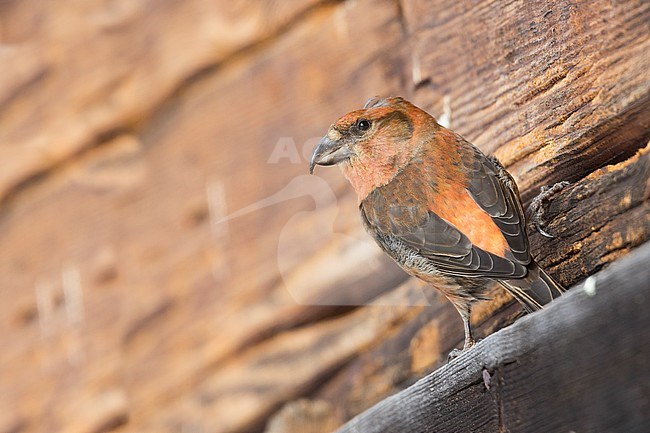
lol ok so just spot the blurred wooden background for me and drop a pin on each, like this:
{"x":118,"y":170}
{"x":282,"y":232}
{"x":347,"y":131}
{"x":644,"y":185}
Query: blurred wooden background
{"x":133,"y":294}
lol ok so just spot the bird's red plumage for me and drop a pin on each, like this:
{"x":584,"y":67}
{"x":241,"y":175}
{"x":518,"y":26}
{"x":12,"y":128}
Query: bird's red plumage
{"x":443,"y":210}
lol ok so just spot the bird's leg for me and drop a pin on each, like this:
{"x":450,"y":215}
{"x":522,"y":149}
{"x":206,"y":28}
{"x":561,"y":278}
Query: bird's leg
{"x":469,"y":339}
{"x":537,"y":210}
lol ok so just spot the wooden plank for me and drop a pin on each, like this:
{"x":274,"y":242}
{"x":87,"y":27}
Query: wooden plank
{"x":581,"y":364}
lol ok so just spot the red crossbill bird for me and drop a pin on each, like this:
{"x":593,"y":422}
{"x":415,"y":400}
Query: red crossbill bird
{"x":444,"y":211}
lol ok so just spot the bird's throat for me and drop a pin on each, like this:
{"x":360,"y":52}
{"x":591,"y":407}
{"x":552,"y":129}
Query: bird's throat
{"x":364,"y":177}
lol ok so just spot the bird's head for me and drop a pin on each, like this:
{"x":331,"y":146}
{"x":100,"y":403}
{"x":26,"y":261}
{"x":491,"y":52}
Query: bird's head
{"x":371,"y":145}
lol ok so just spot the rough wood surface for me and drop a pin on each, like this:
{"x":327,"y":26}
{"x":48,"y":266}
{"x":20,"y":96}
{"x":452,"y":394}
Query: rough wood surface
{"x":579,"y":365}
{"x":130,"y":129}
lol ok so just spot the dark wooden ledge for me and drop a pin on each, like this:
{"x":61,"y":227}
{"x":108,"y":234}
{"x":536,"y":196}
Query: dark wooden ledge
{"x":582,"y":364}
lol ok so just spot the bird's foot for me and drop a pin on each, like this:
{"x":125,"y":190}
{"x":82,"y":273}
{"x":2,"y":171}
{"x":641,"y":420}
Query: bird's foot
{"x":454,"y":354}
{"x":469,"y":343}
{"x":537,"y":210}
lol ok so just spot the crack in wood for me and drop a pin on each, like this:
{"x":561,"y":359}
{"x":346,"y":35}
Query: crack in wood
{"x":573,"y":165}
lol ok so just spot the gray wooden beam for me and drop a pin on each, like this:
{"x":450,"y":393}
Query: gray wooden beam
{"x":582,"y":364}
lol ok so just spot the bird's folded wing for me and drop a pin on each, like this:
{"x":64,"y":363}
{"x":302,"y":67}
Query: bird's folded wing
{"x":497,"y":196}
{"x":439,"y":243}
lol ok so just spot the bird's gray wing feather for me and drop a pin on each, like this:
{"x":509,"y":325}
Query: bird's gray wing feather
{"x":496,"y":193}
{"x":430,"y":243}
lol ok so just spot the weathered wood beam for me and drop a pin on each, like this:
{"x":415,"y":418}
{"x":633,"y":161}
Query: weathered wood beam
{"x":581,"y":364}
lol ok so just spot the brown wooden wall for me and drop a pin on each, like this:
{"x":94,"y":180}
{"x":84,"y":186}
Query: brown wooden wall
{"x":130,"y":129}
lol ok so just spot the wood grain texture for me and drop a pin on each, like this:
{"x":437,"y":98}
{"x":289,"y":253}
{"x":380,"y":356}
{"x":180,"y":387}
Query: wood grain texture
{"x":129,"y":130}
{"x":577,"y":365}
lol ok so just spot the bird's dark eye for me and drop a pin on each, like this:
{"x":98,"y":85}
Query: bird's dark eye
{"x":363,"y":125}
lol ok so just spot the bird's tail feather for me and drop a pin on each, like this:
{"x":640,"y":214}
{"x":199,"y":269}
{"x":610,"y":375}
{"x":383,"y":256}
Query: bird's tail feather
{"x":535,"y":290}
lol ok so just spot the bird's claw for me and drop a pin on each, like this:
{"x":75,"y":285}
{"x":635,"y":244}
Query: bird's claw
{"x":537,"y":210}
{"x":541,"y":231}
{"x":454,"y":354}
